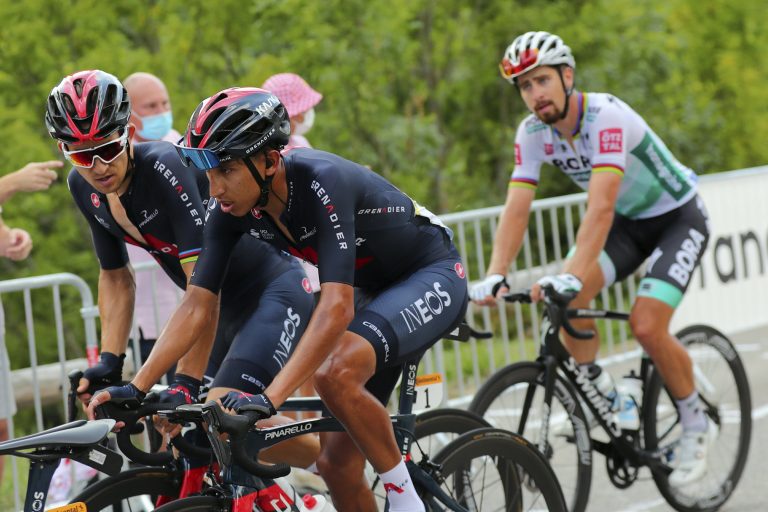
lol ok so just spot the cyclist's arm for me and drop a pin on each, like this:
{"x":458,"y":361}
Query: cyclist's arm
{"x":330,"y":319}
{"x":511,"y":229}
{"x":594,"y":228}
{"x":117,"y":291}
{"x":193,"y":320}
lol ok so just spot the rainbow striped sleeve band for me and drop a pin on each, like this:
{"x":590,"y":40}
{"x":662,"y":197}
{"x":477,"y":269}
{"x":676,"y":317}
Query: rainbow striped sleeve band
{"x":615,"y":169}
{"x":523,"y":183}
{"x":189,"y":256}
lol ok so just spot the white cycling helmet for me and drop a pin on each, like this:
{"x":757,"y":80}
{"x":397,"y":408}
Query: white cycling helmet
{"x":534,"y":49}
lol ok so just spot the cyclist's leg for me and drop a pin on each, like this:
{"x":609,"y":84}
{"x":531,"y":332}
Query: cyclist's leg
{"x":259,"y":350}
{"x":679,"y":250}
{"x":400,"y":323}
{"x":679,"y":247}
{"x":342,"y":464}
{"x":619,"y":258}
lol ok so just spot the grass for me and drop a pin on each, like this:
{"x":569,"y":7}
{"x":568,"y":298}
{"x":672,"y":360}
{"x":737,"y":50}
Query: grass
{"x":6,"y":485}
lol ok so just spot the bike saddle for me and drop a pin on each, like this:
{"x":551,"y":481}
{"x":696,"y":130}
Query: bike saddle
{"x":73,"y":434}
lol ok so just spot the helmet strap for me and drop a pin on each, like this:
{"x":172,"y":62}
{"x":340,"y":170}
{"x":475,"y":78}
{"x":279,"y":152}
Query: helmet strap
{"x":567,"y":91}
{"x":264,"y":183}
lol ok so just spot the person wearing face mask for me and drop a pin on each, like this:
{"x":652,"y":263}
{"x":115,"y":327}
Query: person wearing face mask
{"x":151,"y":105}
{"x":155,"y":292}
{"x":300,"y":100}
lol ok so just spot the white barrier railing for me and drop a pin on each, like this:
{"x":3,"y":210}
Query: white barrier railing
{"x":33,"y":381}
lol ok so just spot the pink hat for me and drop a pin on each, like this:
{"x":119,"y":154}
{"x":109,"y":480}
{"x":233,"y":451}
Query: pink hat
{"x":293,"y":92}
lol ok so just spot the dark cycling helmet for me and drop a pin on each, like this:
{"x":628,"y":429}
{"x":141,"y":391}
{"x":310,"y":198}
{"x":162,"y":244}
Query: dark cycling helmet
{"x":87,"y":106}
{"x":238,"y":122}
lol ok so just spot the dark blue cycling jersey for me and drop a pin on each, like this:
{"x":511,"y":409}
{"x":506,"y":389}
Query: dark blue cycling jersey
{"x":166,"y":203}
{"x":358,"y":228}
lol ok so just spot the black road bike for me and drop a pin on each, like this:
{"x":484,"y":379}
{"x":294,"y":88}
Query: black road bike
{"x":543,"y":400}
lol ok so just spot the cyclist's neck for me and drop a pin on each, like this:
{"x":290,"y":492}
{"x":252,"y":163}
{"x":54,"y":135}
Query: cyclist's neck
{"x":569,"y":127}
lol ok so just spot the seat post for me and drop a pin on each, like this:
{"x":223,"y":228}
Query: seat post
{"x":40,"y":476}
{"x":405,"y":421}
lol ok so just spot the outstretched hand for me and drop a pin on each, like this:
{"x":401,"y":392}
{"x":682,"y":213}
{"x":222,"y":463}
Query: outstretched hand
{"x":32,"y":177}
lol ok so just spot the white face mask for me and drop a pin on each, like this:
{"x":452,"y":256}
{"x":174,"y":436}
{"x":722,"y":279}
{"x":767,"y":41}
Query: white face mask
{"x":306,"y":125}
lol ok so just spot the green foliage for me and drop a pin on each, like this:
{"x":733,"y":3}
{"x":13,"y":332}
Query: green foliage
{"x":411,"y":88}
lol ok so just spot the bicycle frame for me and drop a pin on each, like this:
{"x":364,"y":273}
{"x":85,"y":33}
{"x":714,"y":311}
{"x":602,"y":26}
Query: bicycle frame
{"x":553,"y":356}
{"x":403,"y":424}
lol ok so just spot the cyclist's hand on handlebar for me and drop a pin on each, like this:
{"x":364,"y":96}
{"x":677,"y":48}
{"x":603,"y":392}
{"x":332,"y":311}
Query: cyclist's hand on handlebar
{"x":127,"y":397}
{"x":183,"y":390}
{"x":109,"y":370}
{"x":486,"y":291}
{"x":567,"y":286}
{"x":241,"y":402}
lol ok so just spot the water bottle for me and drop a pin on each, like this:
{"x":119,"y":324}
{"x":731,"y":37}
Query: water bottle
{"x":630,"y":392}
{"x":317,"y":503}
{"x":605,"y":385}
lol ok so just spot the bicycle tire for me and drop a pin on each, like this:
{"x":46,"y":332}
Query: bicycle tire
{"x":197,"y":504}
{"x":714,"y":356}
{"x":434,"y":430}
{"x":500,"y":400}
{"x":465,"y":460}
{"x":135,"y":483}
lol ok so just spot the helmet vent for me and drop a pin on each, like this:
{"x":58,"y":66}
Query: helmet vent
{"x":78,"y":85}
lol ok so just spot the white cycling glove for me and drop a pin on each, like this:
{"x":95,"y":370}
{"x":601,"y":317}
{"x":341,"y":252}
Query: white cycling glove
{"x":564,"y":284}
{"x":487,"y":286}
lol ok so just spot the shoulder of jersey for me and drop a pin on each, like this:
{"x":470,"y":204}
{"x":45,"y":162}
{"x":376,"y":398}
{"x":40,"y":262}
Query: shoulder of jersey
{"x":532,"y":124}
{"x":75,"y":181}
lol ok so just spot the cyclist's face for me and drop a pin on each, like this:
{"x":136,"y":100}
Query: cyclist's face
{"x":543,"y":94}
{"x":106,"y":178}
{"x":233,"y":186}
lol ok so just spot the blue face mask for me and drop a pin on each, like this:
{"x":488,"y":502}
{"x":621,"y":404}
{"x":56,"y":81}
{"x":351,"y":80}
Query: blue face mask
{"x":155,"y":127}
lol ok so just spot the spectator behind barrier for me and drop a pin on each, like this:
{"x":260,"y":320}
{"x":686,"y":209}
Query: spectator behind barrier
{"x":15,"y":244}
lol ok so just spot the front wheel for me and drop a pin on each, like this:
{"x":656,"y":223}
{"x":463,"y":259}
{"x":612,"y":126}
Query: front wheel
{"x":198,"y":504}
{"x":136,"y":489}
{"x":513,"y":399}
{"x":722,"y":384}
{"x":493,"y":469}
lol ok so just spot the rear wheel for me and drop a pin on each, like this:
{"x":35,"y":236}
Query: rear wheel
{"x":491,"y":469}
{"x":513,"y":399}
{"x":722,"y":384}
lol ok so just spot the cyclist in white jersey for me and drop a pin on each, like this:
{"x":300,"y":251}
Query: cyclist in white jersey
{"x":642,"y":204}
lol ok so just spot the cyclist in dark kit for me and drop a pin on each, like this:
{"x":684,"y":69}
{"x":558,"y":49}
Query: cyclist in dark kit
{"x":142,"y":194}
{"x":364,"y":235}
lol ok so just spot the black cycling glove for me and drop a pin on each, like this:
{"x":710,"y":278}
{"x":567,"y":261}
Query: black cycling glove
{"x":183,"y":390}
{"x":242,"y":402}
{"x":109,"y":370}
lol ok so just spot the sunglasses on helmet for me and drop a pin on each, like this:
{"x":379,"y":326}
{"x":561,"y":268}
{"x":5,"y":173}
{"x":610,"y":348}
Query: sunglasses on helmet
{"x":201,"y":159}
{"x":528,"y":59}
{"x":106,"y":152}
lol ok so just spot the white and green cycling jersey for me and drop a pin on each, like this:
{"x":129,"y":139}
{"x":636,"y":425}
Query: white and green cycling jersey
{"x":610,"y":137}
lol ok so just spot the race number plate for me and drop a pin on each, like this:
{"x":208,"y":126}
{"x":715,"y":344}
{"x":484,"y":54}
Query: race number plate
{"x":72,"y":507}
{"x":429,"y":392}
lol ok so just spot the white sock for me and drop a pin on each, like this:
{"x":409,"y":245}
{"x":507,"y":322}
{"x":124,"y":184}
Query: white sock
{"x":312,"y":468}
{"x":400,"y":491}
{"x":692,"y":416}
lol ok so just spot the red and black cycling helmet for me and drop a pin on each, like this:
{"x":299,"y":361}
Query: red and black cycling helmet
{"x":238,"y":122}
{"x":87,"y":106}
